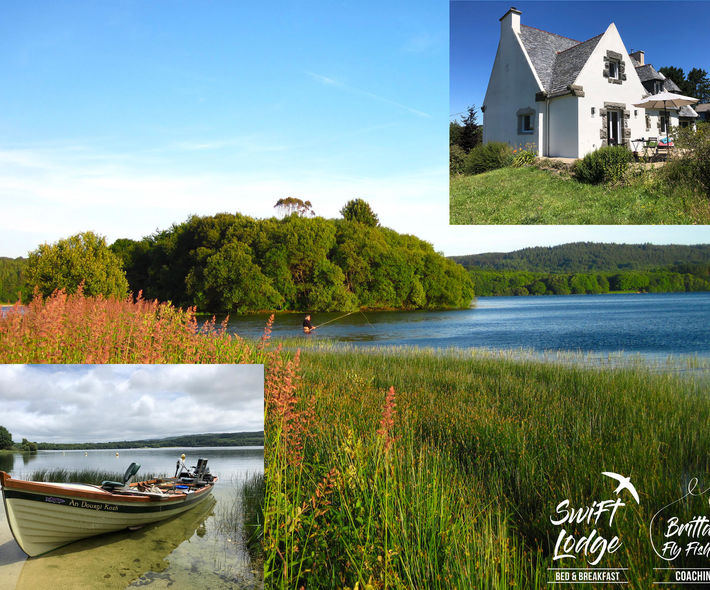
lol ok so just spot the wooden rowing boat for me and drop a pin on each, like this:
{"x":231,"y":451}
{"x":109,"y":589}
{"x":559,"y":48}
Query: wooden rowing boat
{"x":45,"y":516}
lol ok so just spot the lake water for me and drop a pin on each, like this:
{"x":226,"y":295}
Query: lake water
{"x":200,"y":549}
{"x":650,"y":325}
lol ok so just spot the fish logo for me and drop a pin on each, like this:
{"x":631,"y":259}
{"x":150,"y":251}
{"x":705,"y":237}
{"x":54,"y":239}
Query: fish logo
{"x":624,"y":484}
{"x":55,"y":500}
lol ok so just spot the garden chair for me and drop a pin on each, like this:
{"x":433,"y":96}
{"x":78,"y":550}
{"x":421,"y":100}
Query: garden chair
{"x":651,"y":147}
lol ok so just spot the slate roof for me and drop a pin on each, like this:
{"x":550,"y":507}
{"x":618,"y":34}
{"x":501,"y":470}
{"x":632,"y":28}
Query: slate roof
{"x":569,"y":63}
{"x":648,"y":72}
{"x":687,"y":111}
{"x":542,"y":48}
{"x":558,"y":60}
{"x":670,"y":85}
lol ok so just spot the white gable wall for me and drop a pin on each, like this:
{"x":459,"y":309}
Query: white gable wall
{"x":511,"y":88}
{"x":598,"y":90}
{"x":562,"y":120}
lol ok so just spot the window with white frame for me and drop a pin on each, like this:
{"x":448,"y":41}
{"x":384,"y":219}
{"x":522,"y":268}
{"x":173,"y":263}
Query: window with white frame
{"x":614,"y":69}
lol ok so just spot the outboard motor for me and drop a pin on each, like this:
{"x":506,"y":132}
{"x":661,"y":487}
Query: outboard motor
{"x":202,"y":472}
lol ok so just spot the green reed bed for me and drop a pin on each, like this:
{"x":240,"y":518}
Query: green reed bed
{"x":241,"y":517}
{"x":252,"y":491}
{"x":449,"y":481}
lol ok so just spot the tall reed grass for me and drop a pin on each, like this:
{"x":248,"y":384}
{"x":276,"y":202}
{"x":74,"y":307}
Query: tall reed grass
{"x":72,"y":328}
{"x":450,"y":479}
{"x":90,"y":476}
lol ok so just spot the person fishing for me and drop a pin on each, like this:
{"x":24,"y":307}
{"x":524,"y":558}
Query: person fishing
{"x":308,"y":327}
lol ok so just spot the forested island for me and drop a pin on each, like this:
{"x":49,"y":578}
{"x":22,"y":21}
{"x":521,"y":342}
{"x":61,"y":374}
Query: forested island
{"x":230,"y":262}
{"x":589,"y":268}
{"x":228,"y":439}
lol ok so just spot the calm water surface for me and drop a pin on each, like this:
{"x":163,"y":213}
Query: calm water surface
{"x":651,"y":325}
{"x":198,"y":549}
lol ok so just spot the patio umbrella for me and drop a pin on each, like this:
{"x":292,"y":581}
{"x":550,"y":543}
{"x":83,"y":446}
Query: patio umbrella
{"x":663,"y":100}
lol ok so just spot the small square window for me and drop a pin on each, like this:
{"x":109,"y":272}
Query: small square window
{"x":525,"y":124}
{"x":614,"y":70}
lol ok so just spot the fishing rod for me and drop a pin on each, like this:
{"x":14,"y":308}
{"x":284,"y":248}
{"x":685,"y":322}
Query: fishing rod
{"x":334,"y":319}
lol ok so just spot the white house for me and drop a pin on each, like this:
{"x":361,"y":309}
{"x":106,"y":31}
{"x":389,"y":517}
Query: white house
{"x":564,"y":98}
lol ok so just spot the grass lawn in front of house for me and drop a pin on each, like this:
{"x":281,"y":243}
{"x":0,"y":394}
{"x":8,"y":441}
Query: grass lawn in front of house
{"x":533,"y":196}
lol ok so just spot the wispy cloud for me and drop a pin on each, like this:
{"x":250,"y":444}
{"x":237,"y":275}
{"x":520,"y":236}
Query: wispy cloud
{"x":420,"y":43}
{"x":328,"y":81}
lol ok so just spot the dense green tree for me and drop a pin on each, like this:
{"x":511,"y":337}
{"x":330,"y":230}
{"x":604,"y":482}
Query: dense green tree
{"x":677,"y":75}
{"x":82,"y":258}
{"x":467,"y":134}
{"x":455,"y":129}
{"x":538,"y":288}
{"x":12,"y":279}
{"x":232,"y":282}
{"x":559,"y":285}
{"x":359,"y":210}
{"x":28,"y":447}
{"x":231,"y":262}
{"x":699,"y":84}
{"x":5,"y":438}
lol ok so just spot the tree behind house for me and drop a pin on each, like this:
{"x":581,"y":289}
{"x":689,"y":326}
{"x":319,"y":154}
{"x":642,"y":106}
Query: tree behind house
{"x":468,"y":133}
{"x":699,"y":84}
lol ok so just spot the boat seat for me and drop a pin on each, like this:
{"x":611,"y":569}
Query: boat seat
{"x":112,"y":485}
{"x":130,"y":472}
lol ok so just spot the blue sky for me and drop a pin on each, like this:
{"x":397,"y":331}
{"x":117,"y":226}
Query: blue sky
{"x":654,"y":27}
{"x":123,"y":118}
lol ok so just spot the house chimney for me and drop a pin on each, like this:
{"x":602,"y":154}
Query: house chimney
{"x":638,"y":56}
{"x":510,"y":20}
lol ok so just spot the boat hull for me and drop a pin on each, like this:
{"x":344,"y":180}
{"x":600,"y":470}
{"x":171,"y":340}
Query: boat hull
{"x":45,"y":516}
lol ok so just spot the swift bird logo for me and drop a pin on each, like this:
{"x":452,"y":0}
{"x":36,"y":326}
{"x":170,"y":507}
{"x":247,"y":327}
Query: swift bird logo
{"x":624,"y":484}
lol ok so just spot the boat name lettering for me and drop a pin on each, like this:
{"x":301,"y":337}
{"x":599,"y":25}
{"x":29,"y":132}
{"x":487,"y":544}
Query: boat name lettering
{"x":92,"y":505}
{"x":55,"y":500}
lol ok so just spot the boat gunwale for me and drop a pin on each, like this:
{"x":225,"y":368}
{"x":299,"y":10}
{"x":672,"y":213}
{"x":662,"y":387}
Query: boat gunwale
{"x":57,"y":489}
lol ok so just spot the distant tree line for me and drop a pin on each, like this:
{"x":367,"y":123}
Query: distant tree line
{"x":7,"y":444}
{"x":495,"y":282}
{"x":12,"y":279}
{"x":589,"y":256}
{"x":229,"y":439}
{"x":234,"y":263}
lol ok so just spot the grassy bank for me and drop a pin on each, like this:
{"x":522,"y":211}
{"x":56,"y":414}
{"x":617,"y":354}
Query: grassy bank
{"x":450,"y":479}
{"x":533,"y":196}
